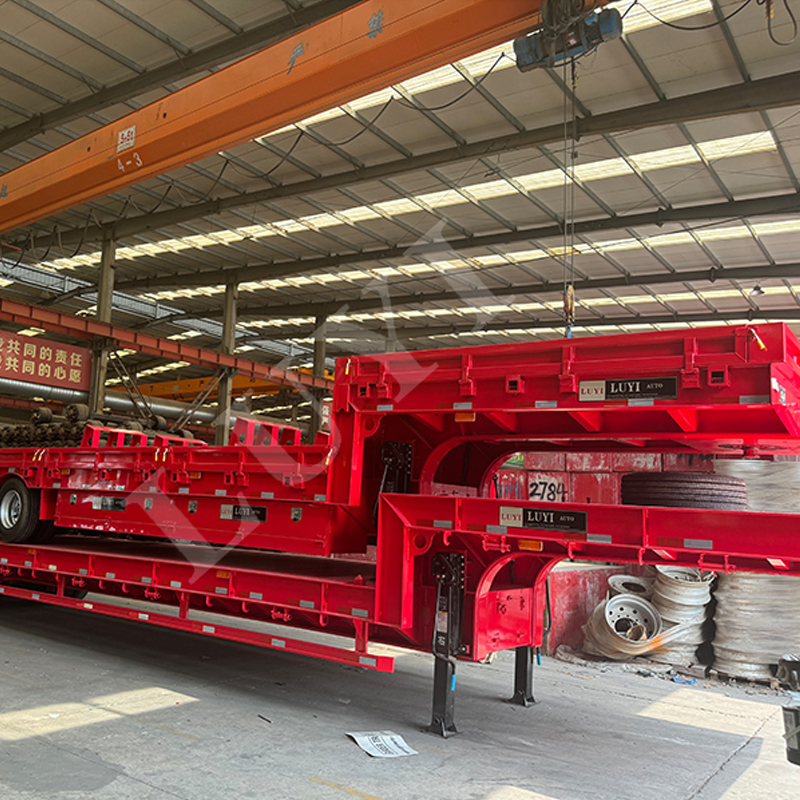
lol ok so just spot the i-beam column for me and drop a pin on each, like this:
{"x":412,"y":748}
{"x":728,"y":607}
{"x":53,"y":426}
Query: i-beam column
{"x":227,"y":346}
{"x":105,"y":296}
{"x":320,"y":327}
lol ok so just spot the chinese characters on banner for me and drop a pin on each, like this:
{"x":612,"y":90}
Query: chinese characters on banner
{"x":36,"y":360}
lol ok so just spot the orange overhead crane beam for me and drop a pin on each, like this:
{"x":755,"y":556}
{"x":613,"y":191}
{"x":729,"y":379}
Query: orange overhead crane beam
{"x":361,"y":50}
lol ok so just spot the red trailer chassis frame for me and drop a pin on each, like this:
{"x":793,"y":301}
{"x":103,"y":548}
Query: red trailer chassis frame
{"x":363,"y":548}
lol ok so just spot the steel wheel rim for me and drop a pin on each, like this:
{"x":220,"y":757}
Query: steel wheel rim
{"x":10,"y":509}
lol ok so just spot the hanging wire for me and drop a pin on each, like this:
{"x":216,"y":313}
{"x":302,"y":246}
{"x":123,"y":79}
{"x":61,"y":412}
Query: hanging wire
{"x":472,"y":88}
{"x":770,"y":10}
{"x":568,"y":224}
{"x":714,"y":24}
{"x":367,"y":125}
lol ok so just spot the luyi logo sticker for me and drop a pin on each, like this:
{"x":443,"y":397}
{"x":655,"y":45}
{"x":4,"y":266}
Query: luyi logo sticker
{"x":596,"y":391}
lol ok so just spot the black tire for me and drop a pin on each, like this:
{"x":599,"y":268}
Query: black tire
{"x":77,"y":412}
{"x":41,"y":415}
{"x":133,"y":425}
{"x":19,"y":511}
{"x":45,"y":531}
{"x":160,"y":423}
{"x":684,"y":490}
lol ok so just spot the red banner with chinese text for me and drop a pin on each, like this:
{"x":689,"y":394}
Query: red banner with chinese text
{"x":36,"y":360}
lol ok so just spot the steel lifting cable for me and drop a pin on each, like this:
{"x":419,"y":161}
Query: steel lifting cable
{"x":568,"y":223}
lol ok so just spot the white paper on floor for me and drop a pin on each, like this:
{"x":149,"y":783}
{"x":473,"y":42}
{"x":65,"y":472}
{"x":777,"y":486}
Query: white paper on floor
{"x":382,"y":744}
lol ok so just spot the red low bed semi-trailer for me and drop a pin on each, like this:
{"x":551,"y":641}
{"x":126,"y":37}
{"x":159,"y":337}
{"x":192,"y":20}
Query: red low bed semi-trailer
{"x":346,"y":537}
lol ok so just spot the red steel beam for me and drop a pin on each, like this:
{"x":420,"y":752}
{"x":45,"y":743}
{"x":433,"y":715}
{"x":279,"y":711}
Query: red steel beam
{"x":361,"y":50}
{"x":87,"y":328}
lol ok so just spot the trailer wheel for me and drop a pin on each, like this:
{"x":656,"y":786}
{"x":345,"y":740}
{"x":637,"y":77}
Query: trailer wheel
{"x":45,"y":531}
{"x":41,"y":415}
{"x":77,"y":412}
{"x":684,"y":490}
{"x":19,"y":511}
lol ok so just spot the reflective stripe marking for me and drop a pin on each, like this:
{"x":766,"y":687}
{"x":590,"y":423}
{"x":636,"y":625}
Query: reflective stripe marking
{"x":56,"y":484}
{"x":496,"y":529}
{"x":442,"y":523}
{"x":183,"y":490}
{"x":152,"y":488}
{"x":2,"y":590}
{"x":29,"y":563}
{"x":320,"y":498}
{"x":3,"y":561}
{"x":209,"y":629}
{"x":52,"y":567}
{"x":467,"y":406}
{"x":599,"y":538}
{"x":267,"y":495}
{"x":35,"y":596}
{"x":368,"y":662}
{"x":545,"y":404}
{"x":256,"y":596}
{"x":90,"y":606}
{"x":386,"y":407}
{"x":641,"y":401}
{"x":360,"y":612}
{"x":753,"y":399}
{"x":221,"y":492}
{"x":144,"y":616}
{"x":12,"y":469}
{"x":147,"y":580}
{"x":698,"y":544}
{"x":111,"y":575}
{"x":175,"y":584}
{"x":83,"y":571}
{"x":279,"y":642}
{"x":221,"y":590}
{"x":306,"y":604}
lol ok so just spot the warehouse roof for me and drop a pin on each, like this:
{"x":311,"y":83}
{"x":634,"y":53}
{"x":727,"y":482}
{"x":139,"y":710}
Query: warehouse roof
{"x":430,"y":212}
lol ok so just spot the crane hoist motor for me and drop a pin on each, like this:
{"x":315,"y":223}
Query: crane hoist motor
{"x":542,"y":48}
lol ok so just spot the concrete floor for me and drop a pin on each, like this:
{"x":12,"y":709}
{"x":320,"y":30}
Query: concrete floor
{"x":99,"y":708}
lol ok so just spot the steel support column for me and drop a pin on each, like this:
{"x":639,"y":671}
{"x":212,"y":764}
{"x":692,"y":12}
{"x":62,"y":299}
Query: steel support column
{"x":228,"y":345}
{"x":105,"y":295}
{"x":320,"y":328}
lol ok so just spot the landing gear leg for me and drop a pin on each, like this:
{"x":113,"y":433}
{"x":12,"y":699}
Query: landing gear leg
{"x":448,"y":571}
{"x":523,"y":677}
{"x":444,"y":698}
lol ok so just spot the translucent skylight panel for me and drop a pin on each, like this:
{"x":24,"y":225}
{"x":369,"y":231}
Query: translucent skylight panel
{"x":738,"y":145}
{"x":721,"y":234}
{"x":548,"y":179}
{"x":359,"y":214}
{"x":609,"y":168}
{"x":670,"y":157}
{"x":773,"y":228}
{"x":486,"y":191}
{"x":396,"y":207}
